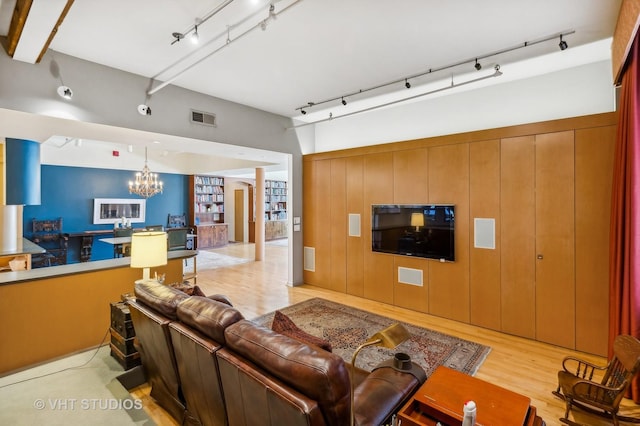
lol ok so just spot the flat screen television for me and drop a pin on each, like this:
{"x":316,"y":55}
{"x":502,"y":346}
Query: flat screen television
{"x":414,"y":230}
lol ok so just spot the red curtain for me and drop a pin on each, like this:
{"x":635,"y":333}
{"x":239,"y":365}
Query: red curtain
{"x":624,"y":257}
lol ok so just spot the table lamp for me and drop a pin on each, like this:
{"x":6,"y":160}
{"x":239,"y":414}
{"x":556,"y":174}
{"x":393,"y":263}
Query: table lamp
{"x":148,"y":249}
{"x":388,"y":338}
{"x":417,"y":220}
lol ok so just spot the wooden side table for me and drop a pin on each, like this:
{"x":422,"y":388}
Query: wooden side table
{"x":441,"y":398}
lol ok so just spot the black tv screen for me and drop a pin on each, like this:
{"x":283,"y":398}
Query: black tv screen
{"x":414,"y":230}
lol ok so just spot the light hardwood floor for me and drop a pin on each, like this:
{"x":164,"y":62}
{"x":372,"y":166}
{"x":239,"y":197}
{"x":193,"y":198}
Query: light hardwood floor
{"x":515,"y":363}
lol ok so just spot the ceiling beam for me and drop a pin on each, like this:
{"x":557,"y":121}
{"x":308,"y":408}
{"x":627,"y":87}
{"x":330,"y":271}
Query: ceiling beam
{"x":18,"y":19}
{"x":34,"y":24}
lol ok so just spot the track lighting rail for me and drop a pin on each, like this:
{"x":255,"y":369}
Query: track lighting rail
{"x":303,"y":108}
{"x":496,"y":73}
{"x":228,"y":41}
{"x":194,"y":28}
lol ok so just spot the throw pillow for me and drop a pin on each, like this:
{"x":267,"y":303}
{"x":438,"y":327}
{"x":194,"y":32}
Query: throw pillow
{"x":282,"y":324}
{"x":186,"y":287}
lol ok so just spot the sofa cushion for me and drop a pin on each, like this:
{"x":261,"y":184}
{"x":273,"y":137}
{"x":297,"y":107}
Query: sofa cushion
{"x":208,"y":316}
{"x":159,"y":297}
{"x":284,"y":325}
{"x":316,"y":373}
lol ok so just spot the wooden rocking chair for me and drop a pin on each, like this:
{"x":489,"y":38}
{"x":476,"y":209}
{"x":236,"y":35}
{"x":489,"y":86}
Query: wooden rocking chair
{"x":579,"y":386}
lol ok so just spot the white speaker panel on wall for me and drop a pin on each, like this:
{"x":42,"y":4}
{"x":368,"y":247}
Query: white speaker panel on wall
{"x":310,"y":259}
{"x":354,"y":225}
{"x":410,"y":276}
{"x":484,"y":233}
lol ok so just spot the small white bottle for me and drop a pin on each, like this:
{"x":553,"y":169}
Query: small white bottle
{"x":469,"y":411}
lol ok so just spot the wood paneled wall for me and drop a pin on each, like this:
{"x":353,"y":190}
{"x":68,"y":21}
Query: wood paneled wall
{"x":547,"y":185}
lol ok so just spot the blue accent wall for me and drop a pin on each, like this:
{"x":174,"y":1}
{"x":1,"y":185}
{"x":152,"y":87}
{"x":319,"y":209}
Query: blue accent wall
{"x":68,"y":192}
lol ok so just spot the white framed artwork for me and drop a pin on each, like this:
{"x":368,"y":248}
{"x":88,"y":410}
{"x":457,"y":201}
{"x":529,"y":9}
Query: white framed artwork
{"x":112,"y":210}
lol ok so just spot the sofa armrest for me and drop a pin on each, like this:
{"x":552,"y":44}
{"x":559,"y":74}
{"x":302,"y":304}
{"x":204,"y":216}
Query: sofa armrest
{"x":381,"y":394}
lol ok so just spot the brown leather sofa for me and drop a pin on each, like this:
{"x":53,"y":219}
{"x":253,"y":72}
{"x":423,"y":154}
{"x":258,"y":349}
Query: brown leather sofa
{"x":196,"y":338}
{"x":231,"y":371}
{"x":272,"y":379}
{"x":153,"y":309}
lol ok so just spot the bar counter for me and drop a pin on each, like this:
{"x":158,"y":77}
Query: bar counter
{"x":52,"y":312}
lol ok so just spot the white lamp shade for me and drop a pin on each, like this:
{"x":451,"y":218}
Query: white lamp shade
{"x":148,"y":249}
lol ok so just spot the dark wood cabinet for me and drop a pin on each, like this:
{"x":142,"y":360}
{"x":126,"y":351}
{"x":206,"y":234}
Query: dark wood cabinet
{"x":212,"y":235}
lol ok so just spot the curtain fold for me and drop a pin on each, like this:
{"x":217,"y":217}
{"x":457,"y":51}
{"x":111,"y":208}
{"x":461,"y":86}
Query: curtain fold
{"x":624,"y":255}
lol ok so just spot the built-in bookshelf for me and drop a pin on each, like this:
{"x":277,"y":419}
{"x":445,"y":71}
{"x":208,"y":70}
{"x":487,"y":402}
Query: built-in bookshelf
{"x":206,"y":199}
{"x":275,"y":200}
{"x":275,"y":210}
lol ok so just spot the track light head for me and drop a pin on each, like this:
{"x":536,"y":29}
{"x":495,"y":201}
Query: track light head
{"x":407,"y":84}
{"x":195,"y":37}
{"x":563,"y":44}
{"x":344,"y":102}
{"x":177,"y":37}
{"x":478,"y":66}
{"x":144,"y":109}
{"x":65,"y":92}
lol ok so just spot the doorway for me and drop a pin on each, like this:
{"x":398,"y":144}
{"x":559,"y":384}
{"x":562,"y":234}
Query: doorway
{"x":238,"y":217}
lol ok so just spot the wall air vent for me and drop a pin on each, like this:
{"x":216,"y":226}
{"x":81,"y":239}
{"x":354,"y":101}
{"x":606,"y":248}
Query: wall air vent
{"x":204,"y":118}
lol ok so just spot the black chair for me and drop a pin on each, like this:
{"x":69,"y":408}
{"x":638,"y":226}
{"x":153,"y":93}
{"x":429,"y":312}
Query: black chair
{"x":177,"y":238}
{"x":177,"y":221}
{"x":48,"y":235}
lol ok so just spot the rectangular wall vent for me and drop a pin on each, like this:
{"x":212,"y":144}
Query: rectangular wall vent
{"x":410,"y":276}
{"x":309,"y":259}
{"x":205,"y":118}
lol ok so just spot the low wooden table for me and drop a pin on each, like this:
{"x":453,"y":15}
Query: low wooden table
{"x":441,"y":398}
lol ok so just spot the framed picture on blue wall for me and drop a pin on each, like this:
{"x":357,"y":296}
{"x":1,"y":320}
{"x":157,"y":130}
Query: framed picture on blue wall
{"x":112,"y":210}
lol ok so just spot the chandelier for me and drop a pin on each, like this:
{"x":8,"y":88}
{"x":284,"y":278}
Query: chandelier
{"x":146,"y":184}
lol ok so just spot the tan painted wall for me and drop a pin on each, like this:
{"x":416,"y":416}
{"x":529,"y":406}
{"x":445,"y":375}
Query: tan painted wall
{"x":48,"y":318}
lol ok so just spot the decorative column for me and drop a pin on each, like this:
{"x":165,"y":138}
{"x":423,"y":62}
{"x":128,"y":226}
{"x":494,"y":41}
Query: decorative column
{"x":259,"y":214}
{"x":21,"y":187}
{"x":22,"y":162}
{"x":10,"y":229}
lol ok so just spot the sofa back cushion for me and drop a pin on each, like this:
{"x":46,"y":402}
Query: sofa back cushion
{"x":157,"y":356}
{"x":159,"y":297}
{"x":320,"y":375}
{"x":208,"y":316}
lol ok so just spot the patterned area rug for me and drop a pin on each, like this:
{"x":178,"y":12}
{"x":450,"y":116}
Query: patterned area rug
{"x":212,"y":260}
{"x":346,"y":328}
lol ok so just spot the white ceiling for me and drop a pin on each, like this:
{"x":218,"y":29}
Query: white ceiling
{"x":314,"y":50}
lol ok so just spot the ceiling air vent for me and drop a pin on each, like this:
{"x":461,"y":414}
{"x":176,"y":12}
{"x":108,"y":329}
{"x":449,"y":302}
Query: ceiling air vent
{"x":204,"y":118}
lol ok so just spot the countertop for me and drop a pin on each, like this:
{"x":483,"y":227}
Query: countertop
{"x":14,"y":277}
